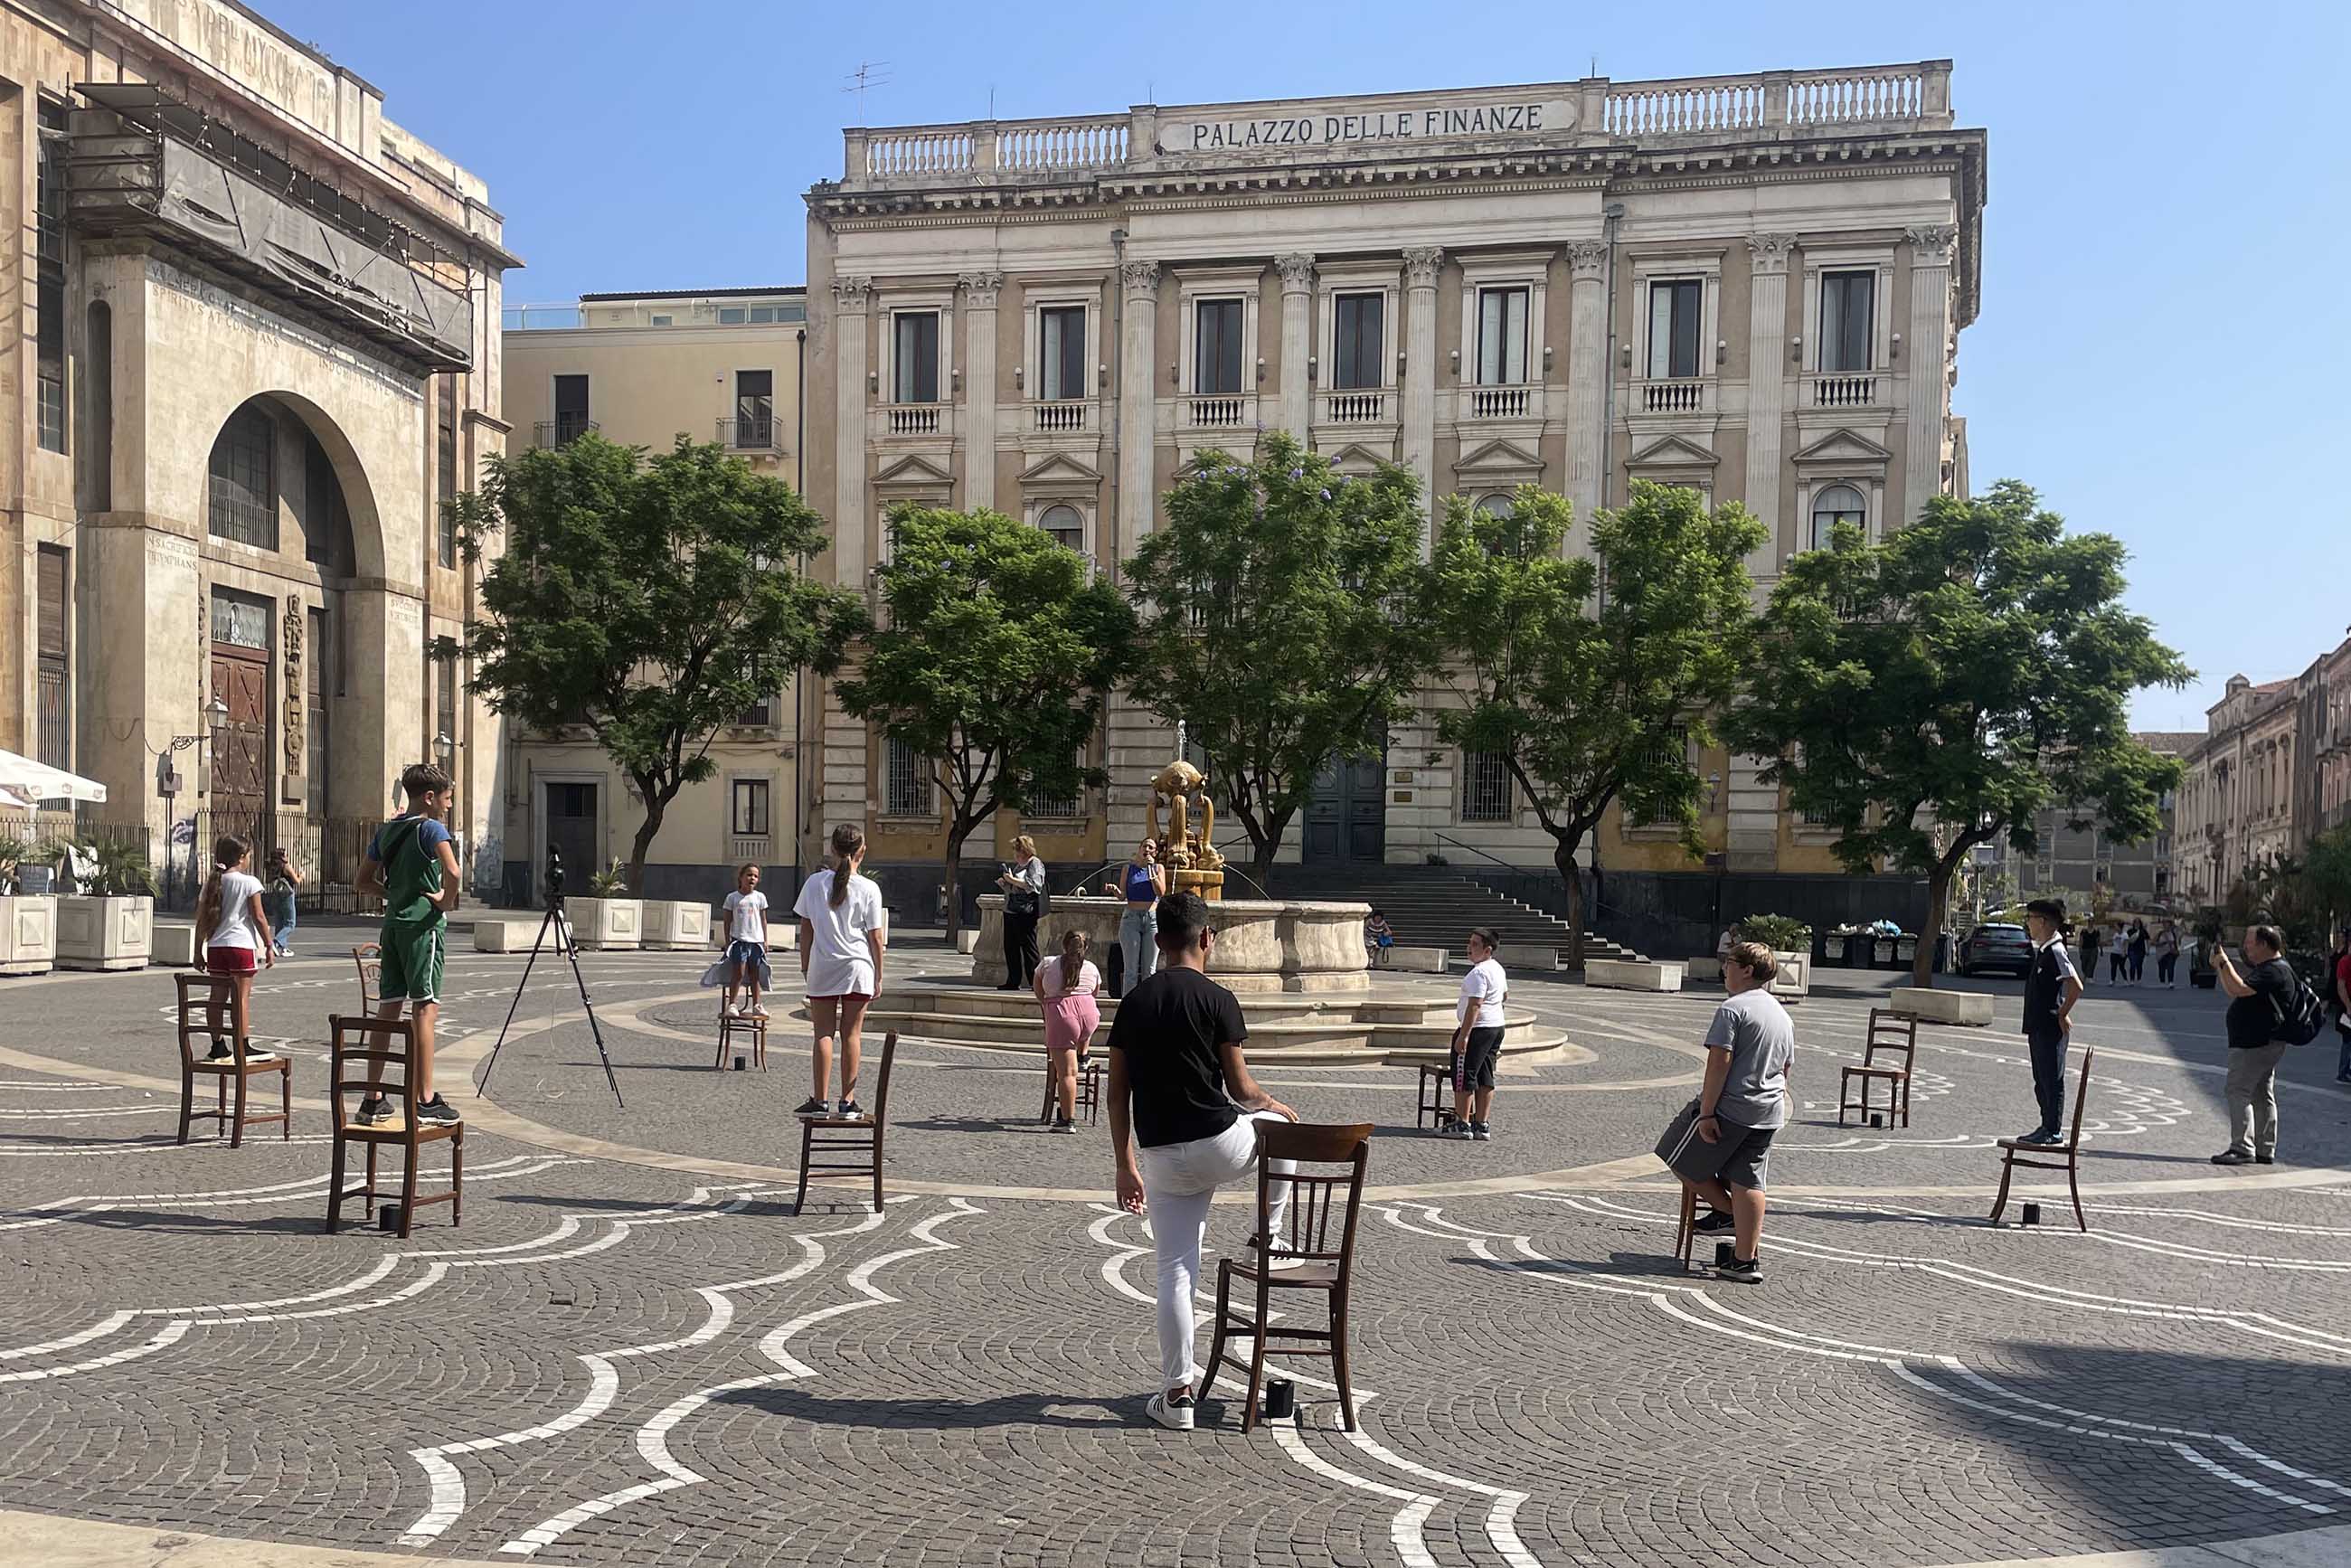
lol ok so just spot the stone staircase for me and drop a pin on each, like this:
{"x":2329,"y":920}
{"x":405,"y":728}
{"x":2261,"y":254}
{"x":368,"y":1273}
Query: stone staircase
{"x":1435,"y":906}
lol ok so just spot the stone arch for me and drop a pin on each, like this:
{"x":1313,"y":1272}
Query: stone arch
{"x":350,"y":511}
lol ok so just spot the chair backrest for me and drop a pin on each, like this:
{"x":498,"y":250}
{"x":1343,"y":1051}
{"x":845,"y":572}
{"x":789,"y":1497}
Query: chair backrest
{"x":360,"y":1040}
{"x":2081,"y":1098}
{"x":1314,"y":1195}
{"x":882,"y":1085}
{"x":368,"y":956}
{"x":1893,"y":1033}
{"x":211,"y":1015}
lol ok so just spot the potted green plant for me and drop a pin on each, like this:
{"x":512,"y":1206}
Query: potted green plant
{"x":28,"y":921}
{"x":608,"y":917}
{"x":106,"y":919}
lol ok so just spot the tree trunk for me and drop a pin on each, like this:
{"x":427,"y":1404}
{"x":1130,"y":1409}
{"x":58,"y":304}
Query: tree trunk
{"x":656,"y":807}
{"x":1563,"y":857}
{"x":1939,"y":891}
{"x":956,"y":836}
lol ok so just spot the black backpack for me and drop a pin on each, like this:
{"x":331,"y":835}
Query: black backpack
{"x":2301,"y":1015}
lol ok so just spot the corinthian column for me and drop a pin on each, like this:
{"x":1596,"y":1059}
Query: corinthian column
{"x":1420,"y":267}
{"x":1927,"y":348}
{"x":979,"y":387}
{"x":1297,"y":302}
{"x":1587,"y":383}
{"x":1767,"y":391}
{"x":849,"y":296}
{"x":1139,"y":317}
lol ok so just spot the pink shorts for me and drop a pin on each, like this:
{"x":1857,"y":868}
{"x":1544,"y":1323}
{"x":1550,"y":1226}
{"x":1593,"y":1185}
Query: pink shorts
{"x":229,"y":960}
{"x":1070,"y":1018}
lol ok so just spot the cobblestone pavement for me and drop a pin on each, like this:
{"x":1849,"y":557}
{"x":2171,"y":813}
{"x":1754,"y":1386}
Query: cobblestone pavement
{"x":614,"y":1362}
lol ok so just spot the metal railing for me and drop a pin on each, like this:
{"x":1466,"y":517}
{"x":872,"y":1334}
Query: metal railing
{"x":750,"y":431}
{"x":562,"y":431}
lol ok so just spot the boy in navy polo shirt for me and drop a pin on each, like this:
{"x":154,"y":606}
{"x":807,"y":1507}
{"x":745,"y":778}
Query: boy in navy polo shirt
{"x":2050,"y":988}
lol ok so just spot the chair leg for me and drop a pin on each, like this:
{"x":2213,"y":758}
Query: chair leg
{"x":1339,"y":1362}
{"x":1905,"y":1103}
{"x":2007,"y":1169}
{"x":1845,"y":1093}
{"x":458,"y":1178}
{"x":285,"y":1103}
{"x":1256,"y":1356}
{"x":1685,"y":1227}
{"x":335,"y":1183}
{"x":187,"y":1099}
{"x":236,"y":1128}
{"x":801,"y":1202}
{"x":877,"y":1173}
{"x":408,"y":1190}
{"x":2074,"y":1185}
{"x":1216,"y":1340}
{"x":367,"y":1206}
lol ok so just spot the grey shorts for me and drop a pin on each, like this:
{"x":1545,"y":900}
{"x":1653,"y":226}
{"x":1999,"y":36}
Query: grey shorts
{"x":1740,"y":1157}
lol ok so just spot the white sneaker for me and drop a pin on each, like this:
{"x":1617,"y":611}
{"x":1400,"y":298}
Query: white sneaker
{"x":1175,"y":1415}
{"x":730,"y":1010}
{"x":759,"y":1011}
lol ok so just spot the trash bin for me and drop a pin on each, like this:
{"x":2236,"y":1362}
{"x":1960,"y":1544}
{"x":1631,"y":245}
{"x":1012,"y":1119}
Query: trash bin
{"x":1884,"y":948}
{"x":1832,"y":950}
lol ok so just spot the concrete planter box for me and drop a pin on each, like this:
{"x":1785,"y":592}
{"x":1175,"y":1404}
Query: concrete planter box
{"x":607,"y":923}
{"x":506,"y":932}
{"x":28,"y":933}
{"x":1972,"y":1009}
{"x":1625,"y":975}
{"x":1702,"y":969}
{"x":676,"y":927}
{"x":1416,"y":960}
{"x":174,"y":945}
{"x":104,"y":933}
{"x":1795,"y":982}
{"x":783,"y":934}
{"x":968,"y":940}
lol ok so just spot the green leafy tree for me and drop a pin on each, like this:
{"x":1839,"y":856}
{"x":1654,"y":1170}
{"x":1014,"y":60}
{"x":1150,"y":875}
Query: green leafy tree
{"x":650,"y":599}
{"x":1284,"y":623}
{"x":1934,"y":690}
{"x":2328,"y":867}
{"x":1584,"y":695}
{"x":995,"y":651}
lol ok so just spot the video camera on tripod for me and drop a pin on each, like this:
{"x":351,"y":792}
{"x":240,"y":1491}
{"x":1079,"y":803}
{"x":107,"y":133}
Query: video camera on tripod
{"x":558,"y":924}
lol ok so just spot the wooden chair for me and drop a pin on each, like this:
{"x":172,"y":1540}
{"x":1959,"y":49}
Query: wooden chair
{"x":1685,"y":1226}
{"x":845,"y":1135}
{"x":730,"y":1026}
{"x":368,"y":956}
{"x":1432,"y":1108}
{"x":1303,"y":1249}
{"x":2066,"y":1156}
{"x":1894,"y":1038}
{"x":1090,"y":1082}
{"x":358,"y":1042}
{"x":212,"y":1018}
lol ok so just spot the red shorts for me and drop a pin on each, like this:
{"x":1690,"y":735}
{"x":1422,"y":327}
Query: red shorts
{"x":229,"y":960}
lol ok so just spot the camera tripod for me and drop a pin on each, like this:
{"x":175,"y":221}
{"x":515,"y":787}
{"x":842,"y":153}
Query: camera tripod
{"x":559,"y":924}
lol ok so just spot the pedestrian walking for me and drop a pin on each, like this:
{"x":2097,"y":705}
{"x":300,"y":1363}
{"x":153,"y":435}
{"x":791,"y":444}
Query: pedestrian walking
{"x":1477,"y":1038}
{"x":1142,"y":885}
{"x":236,"y":934}
{"x":844,"y":932}
{"x":1066,"y":988}
{"x":1183,"y":1109}
{"x":2166,"y":948}
{"x":2258,"y":998}
{"x":2052,"y":987}
{"x":1724,"y":1159}
{"x":412,"y":862}
{"x":2341,"y":979}
{"x":1023,"y":881}
{"x":284,"y":889}
{"x":2089,"y":954}
{"x":2118,"y":957}
{"x":2139,"y":945}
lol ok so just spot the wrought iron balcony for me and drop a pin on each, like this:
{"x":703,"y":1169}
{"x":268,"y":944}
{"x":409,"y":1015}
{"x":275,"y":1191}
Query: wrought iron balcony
{"x":561,"y":431}
{"x":750,"y":432}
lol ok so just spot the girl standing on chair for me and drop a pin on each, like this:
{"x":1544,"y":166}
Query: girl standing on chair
{"x":1066,"y":986}
{"x":236,"y":937}
{"x":844,"y":931}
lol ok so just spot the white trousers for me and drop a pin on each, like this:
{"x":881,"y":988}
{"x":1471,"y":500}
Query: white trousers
{"x":1179,"y":1182}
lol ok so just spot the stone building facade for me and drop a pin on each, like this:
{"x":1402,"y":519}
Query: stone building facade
{"x":1753,"y":286}
{"x":2271,"y":771}
{"x":643,"y":369}
{"x":255,"y":355}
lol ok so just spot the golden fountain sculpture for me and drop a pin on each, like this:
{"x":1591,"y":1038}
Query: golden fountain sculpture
{"x":1193,"y":862}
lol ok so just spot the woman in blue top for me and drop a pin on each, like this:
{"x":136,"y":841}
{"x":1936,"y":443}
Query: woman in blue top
{"x":1144,"y":884}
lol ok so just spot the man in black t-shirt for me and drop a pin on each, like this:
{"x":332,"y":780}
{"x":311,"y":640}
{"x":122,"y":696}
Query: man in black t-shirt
{"x":2261,"y":995}
{"x":1180,"y":1092}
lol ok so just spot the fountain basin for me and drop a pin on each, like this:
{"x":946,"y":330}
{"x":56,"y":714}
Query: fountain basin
{"x":1262,"y":944}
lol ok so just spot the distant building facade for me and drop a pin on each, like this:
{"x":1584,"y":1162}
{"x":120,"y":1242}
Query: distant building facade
{"x":2271,"y":771}
{"x":2075,"y":853}
{"x":1751,"y":285}
{"x":644,"y":368}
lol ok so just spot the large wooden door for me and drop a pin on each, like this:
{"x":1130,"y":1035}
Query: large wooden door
{"x":1346,"y":822}
{"x":240,"y":682}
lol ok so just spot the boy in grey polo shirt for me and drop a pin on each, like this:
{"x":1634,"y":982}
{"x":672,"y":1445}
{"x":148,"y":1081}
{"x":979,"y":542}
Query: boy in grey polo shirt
{"x":1750,"y":1048}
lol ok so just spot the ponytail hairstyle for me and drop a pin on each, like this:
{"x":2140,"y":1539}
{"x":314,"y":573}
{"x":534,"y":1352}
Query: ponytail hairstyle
{"x":1074,"y":946}
{"x":229,"y":852}
{"x":848,"y":843}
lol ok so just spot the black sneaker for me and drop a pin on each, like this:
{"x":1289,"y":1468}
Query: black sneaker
{"x":1456,"y":1129}
{"x":1742,"y":1272}
{"x":1714,"y":1220}
{"x":256,"y":1053}
{"x":851,"y":1111}
{"x":437,"y":1112}
{"x":1481,"y":1131}
{"x":2265,"y":1159}
{"x":2232,"y":1157}
{"x":2040,"y":1138}
{"x":813,"y":1108}
{"x":374,"y":1110}
{"x":220,"y":1051}
{"x":1064,"y":1125}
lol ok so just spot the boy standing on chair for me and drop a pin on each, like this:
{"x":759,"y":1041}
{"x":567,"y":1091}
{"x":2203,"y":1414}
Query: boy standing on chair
{"x":2050,"y":988}
{"x":412,"y":862}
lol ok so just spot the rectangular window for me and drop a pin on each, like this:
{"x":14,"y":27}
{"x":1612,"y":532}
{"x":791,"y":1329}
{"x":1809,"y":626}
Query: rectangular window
{"x":1673,"y":744}
{"x":917,"y":360}
{"x":445,"y":696}
{"x":571,"y":420}
{"x":1216,"y":348}
{"x":1501,"y":336}
{"x":758,"y":716}
{"x":55,"y":649}
{"x":1046,"y":806}
{"x":1061,"y":352}
{"x":49,"y":293}
{"x":747,"y":815}
{"x":1355,"y":345}
{"x":660,"y":320}
{"x":762,"y":314}
{"x":755,"y":408}
{"x":1846,"y":298}
{"x":243,"y":500}
{"x":1485,"y":787}
{"x":909,"y":782}
{"x":731,"y":314}
{"x":1674,"y":327}
{"x":326,"y":517}
{"x":445,"y":435}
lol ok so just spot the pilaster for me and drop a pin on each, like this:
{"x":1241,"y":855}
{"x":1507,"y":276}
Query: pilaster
{"x":1587,"y":385}
{"x":1925,"y":348}
{"x":1138,"y":332}
{"x":850,"y":297}
{"x":1767,"y":394}
{"x":1420,"y":267}
{"x":1296,"y":407}
{"x":980,"y":290}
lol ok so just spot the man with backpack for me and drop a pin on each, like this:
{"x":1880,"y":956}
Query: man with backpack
{"x":2267,"y":1016}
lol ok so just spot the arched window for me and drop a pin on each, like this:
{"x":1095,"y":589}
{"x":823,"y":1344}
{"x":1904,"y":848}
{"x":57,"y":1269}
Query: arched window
{"x":1836,"y":504}
{"x":1068,"y":528}
{"x":1497,"y":505}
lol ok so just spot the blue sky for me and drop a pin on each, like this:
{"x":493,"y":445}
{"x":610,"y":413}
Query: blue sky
{"x":2164,"y":306}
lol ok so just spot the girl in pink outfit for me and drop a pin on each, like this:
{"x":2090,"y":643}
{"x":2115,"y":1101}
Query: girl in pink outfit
{"x":1065,"y":986}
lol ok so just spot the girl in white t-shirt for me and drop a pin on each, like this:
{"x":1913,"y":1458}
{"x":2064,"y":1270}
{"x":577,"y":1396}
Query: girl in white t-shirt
{"x":746,"y":943}
{"x":844,"y":931}
{"x":236,"y":934}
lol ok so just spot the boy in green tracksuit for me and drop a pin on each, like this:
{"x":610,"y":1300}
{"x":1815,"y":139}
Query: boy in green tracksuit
{"x":412,"y":862}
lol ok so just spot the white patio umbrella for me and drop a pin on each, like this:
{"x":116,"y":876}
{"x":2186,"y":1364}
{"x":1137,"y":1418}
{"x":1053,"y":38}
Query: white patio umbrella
{"x":28,"y":783}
